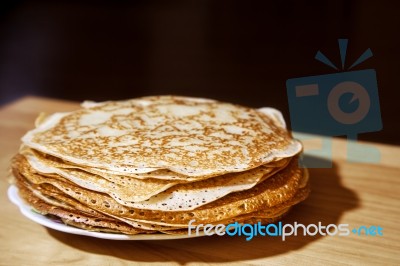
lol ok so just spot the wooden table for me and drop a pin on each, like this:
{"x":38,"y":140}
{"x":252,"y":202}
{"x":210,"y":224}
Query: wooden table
{"x":349,"y":193}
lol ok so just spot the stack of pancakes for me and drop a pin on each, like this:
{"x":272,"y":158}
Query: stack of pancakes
{"x":153,"y":164}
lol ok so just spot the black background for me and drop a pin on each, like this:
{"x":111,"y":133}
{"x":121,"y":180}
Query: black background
{"x":235,"y":51}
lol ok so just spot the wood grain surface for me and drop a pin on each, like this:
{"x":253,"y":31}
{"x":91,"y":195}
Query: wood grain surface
{"x":349,"y":193}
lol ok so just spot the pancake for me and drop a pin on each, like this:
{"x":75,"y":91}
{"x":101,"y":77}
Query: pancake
{"x":89,"y":219}
{"x":271,"y":192}
{"x":110,"y":225}
{"x":78,"y":218}
{"x":188,"y":136}
{"x":123,"y":189}
{"x":156,"y":164}
{"x":149,"y":194}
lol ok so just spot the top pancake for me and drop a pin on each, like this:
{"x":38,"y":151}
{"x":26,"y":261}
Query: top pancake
{"x":189,"y":136}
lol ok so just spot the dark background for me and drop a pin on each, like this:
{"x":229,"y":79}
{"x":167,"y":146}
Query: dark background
{"x":236,"y":51}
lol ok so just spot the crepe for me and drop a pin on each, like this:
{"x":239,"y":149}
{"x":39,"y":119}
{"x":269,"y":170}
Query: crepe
{"x":273,"y":191}
{"x":156,"y":164}
{"x":123,"y":189}
{"x":196,"y":138}
{"x":153,"y":194}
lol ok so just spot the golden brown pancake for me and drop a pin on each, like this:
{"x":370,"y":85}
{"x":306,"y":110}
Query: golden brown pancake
{"x":276,"y":190}
{"x":193,"y":137}
{"x":156,"y":164}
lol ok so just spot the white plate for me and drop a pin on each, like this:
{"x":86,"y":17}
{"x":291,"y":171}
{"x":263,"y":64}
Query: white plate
{"x":27,"y":211}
